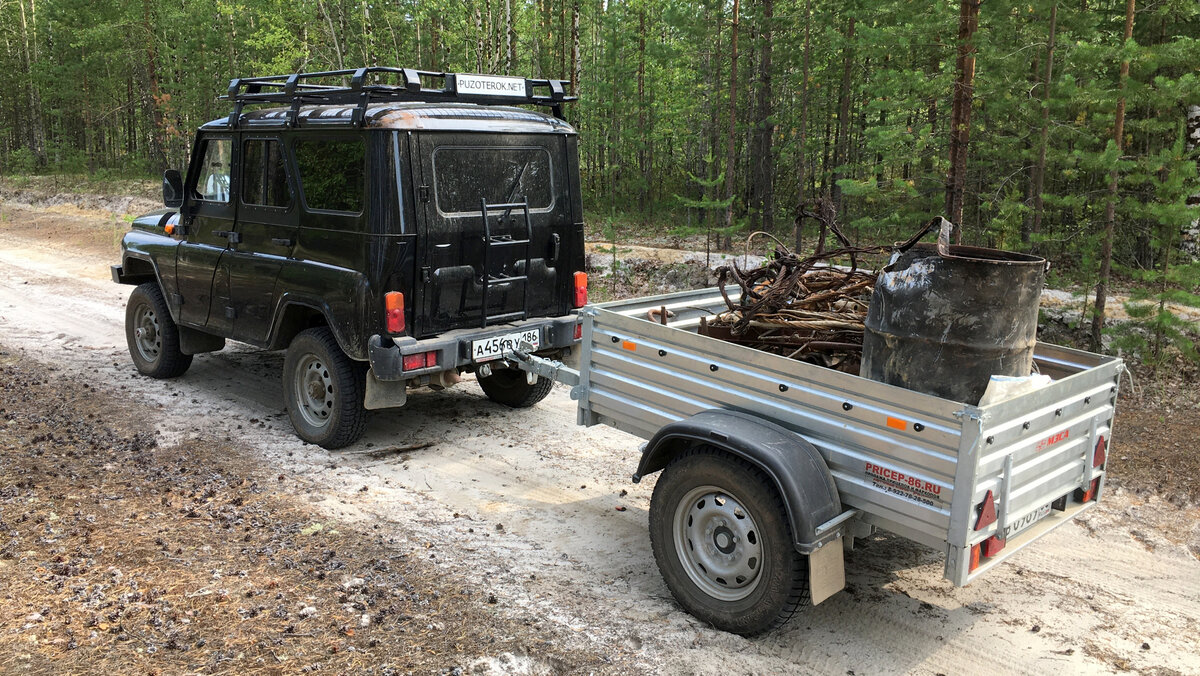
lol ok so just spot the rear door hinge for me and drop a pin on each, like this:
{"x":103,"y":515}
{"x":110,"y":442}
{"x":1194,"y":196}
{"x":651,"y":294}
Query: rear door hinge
{"x":425,"y":274}
{"x":424,"y":193}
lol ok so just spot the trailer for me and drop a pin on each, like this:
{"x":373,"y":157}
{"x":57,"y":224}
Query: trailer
{"x":772,"y":467}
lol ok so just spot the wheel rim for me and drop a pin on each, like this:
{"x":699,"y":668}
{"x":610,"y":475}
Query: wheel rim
{"x":314,"y":390}
{"x":718,"y":543}
{"x":146,"y":335}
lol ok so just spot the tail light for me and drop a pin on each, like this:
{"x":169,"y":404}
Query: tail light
{"x":393,"y":303}
{"x":1101,"y":453}
{"x":580,"y":289}
{"x":1086,"y":496}
{"x":578,"y":331}
{"x":420,"y":360}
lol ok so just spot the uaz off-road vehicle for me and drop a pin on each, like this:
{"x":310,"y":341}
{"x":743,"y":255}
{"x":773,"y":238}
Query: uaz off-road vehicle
{"x":387,"y":235}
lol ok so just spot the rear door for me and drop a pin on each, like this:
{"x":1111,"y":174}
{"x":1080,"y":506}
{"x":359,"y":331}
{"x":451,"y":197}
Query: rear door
{"x":518,"y":269}
{"x":266,"y":234}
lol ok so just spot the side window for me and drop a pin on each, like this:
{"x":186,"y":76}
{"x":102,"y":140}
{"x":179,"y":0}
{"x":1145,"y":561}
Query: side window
{"x":264,"y":179}
{"x":213,"y":183}
{"x":332,"y":174}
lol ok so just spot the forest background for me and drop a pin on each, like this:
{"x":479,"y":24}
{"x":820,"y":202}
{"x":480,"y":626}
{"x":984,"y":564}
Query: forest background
{"x":1053,"y":127}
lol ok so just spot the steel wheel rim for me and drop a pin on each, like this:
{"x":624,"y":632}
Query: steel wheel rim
{"x":718,"y":543}
{"x":313,"y":387}
{"x":146,"y":335}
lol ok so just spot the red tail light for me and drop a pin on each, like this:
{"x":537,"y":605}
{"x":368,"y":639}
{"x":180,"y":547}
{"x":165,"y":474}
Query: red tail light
{"x":578,"y":331}
{"x":420,"y":360}
{"x":1101,"y":453}
{"x":580,"y":289}
{"x":393,"y":303}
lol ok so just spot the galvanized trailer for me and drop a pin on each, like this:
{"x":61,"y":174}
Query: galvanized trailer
{"x":827,"y":455}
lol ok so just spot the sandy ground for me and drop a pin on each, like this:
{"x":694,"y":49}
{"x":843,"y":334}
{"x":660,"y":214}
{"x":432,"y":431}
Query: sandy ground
{"x":525,"y":504}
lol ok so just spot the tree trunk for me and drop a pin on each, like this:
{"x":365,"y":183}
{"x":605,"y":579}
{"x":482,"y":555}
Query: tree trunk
{"x":842,"y":139}
{"x":763,"y":191}
{"x":1190,"y":243}
{"x":35,"y":131}
{"x":1039,"y":169}
{"x":802,"y":164}
{"x":960,"y":114}
{"x":642,"y":154}
{"x":730,"y":159}
{"x":157,"y":146}
{"x":576,"y":63}
{"x":1110,"y":207}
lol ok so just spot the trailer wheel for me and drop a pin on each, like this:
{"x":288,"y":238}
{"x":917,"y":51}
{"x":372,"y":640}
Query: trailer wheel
{"x":152,"y":335}
{"x":323,"y":390}
{"x":721,"y":538}
{"x":509,"y":387}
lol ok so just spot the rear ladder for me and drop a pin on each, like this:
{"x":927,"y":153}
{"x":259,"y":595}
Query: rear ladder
{"x":499,"y":242}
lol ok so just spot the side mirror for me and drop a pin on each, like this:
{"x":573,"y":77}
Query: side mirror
{"x":172,"y":189}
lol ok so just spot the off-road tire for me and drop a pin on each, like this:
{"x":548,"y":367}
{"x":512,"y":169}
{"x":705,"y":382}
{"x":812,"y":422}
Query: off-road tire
{"x":781,"y":586}
{"x":152,"y":336}
{"x":323,"y":390}
{"x":509,"y":387}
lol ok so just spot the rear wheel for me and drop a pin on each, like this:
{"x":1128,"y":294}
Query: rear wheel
{"x":152,"y":335}
{"x":511,"y":388}
{"x":722,"y":542}
{"x":323,"y":390}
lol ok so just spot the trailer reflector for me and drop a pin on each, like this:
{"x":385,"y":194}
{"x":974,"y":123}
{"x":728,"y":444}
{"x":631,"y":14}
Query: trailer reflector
{"x":629,"y":345}
{"x":974,"y":557}
{"x":897,"y":424}
{"x":1101,"y":453}
{"x":1090,"y":493}
{"x":986,"y":511}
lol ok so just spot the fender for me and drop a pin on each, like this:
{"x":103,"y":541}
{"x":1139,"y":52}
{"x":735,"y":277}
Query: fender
{"x":793,"y":464}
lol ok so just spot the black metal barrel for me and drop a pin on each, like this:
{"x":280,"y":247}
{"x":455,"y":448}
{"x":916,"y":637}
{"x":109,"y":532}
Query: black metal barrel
{"x":944,"y":323}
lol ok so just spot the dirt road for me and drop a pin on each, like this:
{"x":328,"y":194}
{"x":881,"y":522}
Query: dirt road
{"x":525,"y":505}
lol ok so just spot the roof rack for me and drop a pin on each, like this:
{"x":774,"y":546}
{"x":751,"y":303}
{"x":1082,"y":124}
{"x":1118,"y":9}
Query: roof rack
{"x":297,"y":89}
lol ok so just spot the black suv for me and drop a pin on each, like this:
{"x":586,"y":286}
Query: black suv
{"x":387,"y":235}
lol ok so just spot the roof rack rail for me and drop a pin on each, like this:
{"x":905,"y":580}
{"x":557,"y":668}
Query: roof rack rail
{"x":297,"y":89}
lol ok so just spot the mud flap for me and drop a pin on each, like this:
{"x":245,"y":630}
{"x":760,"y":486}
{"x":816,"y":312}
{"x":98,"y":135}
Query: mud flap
{"x":384,"y":393}
{"x":826,"y":571}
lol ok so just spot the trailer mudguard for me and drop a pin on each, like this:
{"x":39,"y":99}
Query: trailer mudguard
{"x":794,"y":465}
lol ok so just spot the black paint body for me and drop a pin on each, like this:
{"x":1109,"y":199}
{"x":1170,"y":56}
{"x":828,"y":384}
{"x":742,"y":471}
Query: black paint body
{"x":259,"y":274}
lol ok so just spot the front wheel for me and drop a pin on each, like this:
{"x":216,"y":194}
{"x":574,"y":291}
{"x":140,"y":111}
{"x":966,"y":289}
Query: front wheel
{"x":511,"y":388}
{"x":722,"y":542}
{"x":152,"y":335}
{"x":323,"y":390}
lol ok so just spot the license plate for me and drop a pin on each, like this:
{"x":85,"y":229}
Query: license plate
{"x":1026,"y":521}
{"x":488,"y":349}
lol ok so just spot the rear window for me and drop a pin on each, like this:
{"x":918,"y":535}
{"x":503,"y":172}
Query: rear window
{"x":332,"y":173}
{"x":463,"y":175}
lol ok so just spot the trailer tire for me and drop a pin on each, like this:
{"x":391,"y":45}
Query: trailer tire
{"x":509,"y":387}
{"x":152,"y":335}
{"x":323,"y":390}
{"x":721,"y":538}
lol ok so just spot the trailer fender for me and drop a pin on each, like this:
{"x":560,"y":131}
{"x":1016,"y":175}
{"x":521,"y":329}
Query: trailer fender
{"x":793,"y":464}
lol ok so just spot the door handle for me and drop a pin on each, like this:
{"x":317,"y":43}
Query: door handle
{"x":554,"y":251}
{"x":230,"y":235}
{"x":281,"y":241}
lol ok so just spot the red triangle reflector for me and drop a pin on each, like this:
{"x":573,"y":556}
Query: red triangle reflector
{"x":987,"y":512}
{"x":1101,"y":453}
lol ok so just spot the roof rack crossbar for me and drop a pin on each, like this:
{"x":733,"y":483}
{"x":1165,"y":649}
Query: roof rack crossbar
{"x":297,"y":89}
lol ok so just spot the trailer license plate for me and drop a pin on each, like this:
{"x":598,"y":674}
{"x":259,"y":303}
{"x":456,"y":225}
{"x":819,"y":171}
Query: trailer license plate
{"x":1026,"y":521}
{"x":495,"y":347}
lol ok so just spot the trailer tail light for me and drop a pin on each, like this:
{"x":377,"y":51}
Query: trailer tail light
{"x":393,"y":303}
{"x":1090,"y":494}
{"x":581,"y":297}
{"x":974,"y":557}
{"x":1101,"y":453}
{"x":986,"y":511}
{"x":420,"y":360}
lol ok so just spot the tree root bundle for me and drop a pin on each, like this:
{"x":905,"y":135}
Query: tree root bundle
{"x":802,"y":308}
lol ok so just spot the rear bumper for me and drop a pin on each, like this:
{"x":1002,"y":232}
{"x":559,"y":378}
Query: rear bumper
{"x":454,"y":347}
